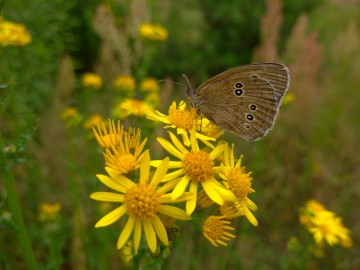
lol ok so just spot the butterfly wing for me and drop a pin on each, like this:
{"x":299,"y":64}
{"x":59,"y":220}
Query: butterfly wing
{"x":245,"y":99}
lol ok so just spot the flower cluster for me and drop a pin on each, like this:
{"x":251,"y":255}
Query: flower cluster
{"x":146,"y":98}
{"x":13,"y":34}
{"x":200,"y":173}
{"x":324,"y":225}
{"x":153,"y":32}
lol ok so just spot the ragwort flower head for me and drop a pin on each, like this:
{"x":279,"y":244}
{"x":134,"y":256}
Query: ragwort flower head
{"x":153,"y":32}
{"x":215,"y":229}
{"x":123,"y":150}
{"x":239,"y":183}
{"x":132,"y":106}
{"x":142,"y":202}
{"x":13,"y":34}
{"x":195,"y":167}
{"x":182,"y":120}
{"x":124,"y":83}
{"x":92,"y":81}
{"x":325,"y":226}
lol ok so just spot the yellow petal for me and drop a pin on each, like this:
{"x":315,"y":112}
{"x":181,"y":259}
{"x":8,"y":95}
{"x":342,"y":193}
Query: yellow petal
{"x":145,"y":169}
{"x":167,"y":198}
{"x":160,"y":172}
{"x":250,"y":217}
{"x":212,"y":193}
{"x":139,"y":149}
{"x":121,"y":179}
{"x":158,"y":116}
{"x":178,"y":144}
{"x":180,"y":187}
{"x":225,"y":193}
{"x":150,"y":235}
{"x":193,"y":141}
{"x":173,"y":212}
{"x":217,"y":151}
{"x":155,"y":163}
{"x":173,"y":175}
{"x":168,"y":186}
{"x":170,"y":148}
{"x":111,"y":183}
{"x":107,"y":197}
{"x":111,"y":217}
{"x":191,"y":203}
{"x":160,"y":230}
{"x":137,"y":235}
{"x":126,"y":232}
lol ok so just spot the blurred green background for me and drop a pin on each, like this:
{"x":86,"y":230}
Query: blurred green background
{"x":313,"y":151}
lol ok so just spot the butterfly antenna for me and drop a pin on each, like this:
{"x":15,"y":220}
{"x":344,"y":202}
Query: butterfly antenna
{"x":187,"y":80}
{"x":160,"y":81}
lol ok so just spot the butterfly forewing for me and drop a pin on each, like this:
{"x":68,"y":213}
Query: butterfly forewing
{"x":244,"y":99}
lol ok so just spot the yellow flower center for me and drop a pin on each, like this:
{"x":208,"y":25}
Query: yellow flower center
{"x":213,"y":227}
{"x":198,"y":165}
{"x":142,"y":201}
{"x":239,"y":182}
{"x":182,"y":118}
{"x":122,"y":163}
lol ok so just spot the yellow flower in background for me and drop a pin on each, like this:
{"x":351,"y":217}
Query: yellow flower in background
{"x":195,"y":167}
{"x":141,"y":201}
{"x":71,"y":117}
{"x":181,"y":119}
{"x":325,"y":226}
{"x":289,"y":97}
{"x":124,"y":83}
{"x":132,"y":107}
{"x":215,"y":229}
{"x":153,"y":32}
{"x":93,"y":120}
{"x":91,"y":81}
{"x":13,"y":34}
{"x":149,"y":85}
{"x":49,"y":211}
{"x":239,"y":183}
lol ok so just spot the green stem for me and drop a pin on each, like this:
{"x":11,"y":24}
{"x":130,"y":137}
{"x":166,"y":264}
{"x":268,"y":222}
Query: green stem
{"x":13,"y":198}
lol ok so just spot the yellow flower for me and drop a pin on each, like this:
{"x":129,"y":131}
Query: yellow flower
{"x":92,"y":81}
{"x":329,"y":228}
{"x":71,"y":117}
{"x":239,"y":183}
{"x":93,"y":120}
{"x":195,"y":167}
{"x":108,"y":138}
{"x":289,"y":97}
{"x":13,"y":34}
{"x":324,"y":225}
{"x":214,"y":229}
{"x":181,"y":119}
{"x":124,"y":83}
{"x":127,"y":155}
{"x":132,"y":107}
{"x":153,"y":32}
{"x":49,"y":211}
{"x":141,"y":202}
{"x":149,"y":85}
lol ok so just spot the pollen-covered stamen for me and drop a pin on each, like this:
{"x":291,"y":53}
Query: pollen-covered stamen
{"x":182,"y":118}
{"x":239,"y":182}
{"x":198,"y":165}
{"x":121,"y":163}
{"x":142,"y":201}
